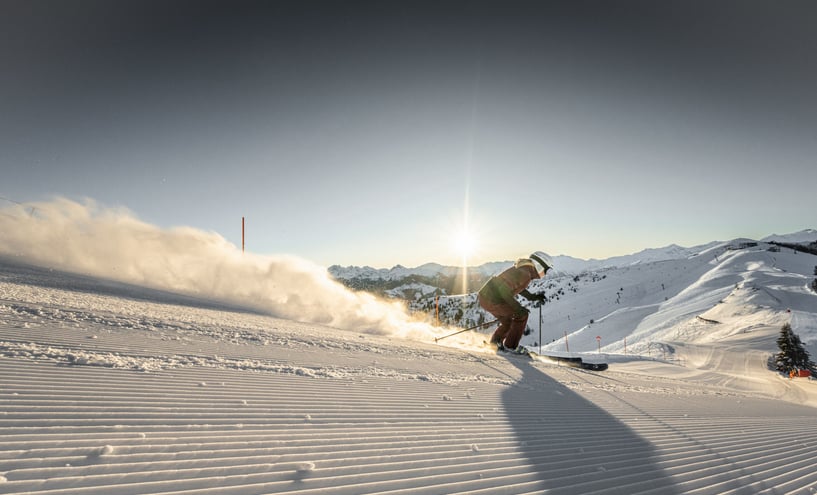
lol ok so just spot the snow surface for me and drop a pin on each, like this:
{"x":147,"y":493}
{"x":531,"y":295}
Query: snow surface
{"x":151,"y":369}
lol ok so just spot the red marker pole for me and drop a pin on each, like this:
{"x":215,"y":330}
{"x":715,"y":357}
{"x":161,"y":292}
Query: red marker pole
{"x":598,"y":338}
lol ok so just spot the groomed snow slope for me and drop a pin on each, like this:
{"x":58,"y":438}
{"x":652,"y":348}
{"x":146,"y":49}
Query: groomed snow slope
{"x":107,"y":388}
{"x":710,"y":297}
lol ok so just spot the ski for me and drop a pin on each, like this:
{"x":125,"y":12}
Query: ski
{"x":571,"y":361}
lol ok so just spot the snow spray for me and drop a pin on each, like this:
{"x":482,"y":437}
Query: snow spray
{"x":113,"y":244}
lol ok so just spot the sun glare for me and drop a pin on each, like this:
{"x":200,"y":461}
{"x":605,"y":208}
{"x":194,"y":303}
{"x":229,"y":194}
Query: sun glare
{"x":464,"y":243}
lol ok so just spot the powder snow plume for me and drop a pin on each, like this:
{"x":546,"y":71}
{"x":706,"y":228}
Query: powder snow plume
{"x":112,"y":243}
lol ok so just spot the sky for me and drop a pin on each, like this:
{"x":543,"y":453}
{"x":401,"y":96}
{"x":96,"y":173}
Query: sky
{"x":375,"y":133}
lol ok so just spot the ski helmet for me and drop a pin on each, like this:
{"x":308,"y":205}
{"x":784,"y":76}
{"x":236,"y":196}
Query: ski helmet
{"x":543,"y":260}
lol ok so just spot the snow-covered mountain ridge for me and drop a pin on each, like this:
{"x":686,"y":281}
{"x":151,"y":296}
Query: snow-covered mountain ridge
{"x":806,"y":236}
{"x":725,"y":292}
{"x":564,"y":263}
{"x":400,"y":272}
{"x":642,"y":302}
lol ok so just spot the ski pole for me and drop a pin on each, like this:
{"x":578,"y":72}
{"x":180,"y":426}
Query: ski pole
{"x":437,"y":339}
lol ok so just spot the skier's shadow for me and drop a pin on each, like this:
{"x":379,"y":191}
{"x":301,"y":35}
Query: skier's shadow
{"x":571,"y":446}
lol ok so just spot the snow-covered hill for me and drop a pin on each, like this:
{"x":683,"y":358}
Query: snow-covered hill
{"x":718,"y":294}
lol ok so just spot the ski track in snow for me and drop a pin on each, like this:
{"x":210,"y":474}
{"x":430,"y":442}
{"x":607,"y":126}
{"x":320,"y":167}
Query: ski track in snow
{"x":101,"y":393}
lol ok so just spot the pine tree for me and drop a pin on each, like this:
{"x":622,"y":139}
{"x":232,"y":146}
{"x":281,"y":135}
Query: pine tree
{"x":792,"y":355}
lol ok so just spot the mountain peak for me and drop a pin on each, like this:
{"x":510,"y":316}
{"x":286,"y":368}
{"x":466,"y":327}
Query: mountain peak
{"x":803,"y":236}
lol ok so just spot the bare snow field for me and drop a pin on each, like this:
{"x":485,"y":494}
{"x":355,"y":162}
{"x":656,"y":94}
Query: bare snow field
{"x":108,"y":388}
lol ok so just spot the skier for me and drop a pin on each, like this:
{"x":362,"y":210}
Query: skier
{"x":498,"y":297}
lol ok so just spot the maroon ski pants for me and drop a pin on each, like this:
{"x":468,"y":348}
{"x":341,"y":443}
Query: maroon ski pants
{"x":512,"y":317}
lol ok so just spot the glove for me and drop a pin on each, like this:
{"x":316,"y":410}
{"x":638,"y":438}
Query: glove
{"x":540,"y":298}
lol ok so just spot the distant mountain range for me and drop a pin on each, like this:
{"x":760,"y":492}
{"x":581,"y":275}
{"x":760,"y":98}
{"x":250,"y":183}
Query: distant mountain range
{"x":627,"y":289}
{"x":564,"y":264}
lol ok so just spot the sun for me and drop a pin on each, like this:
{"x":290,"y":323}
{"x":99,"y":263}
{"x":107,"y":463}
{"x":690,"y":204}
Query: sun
{"x":464,"y":243}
